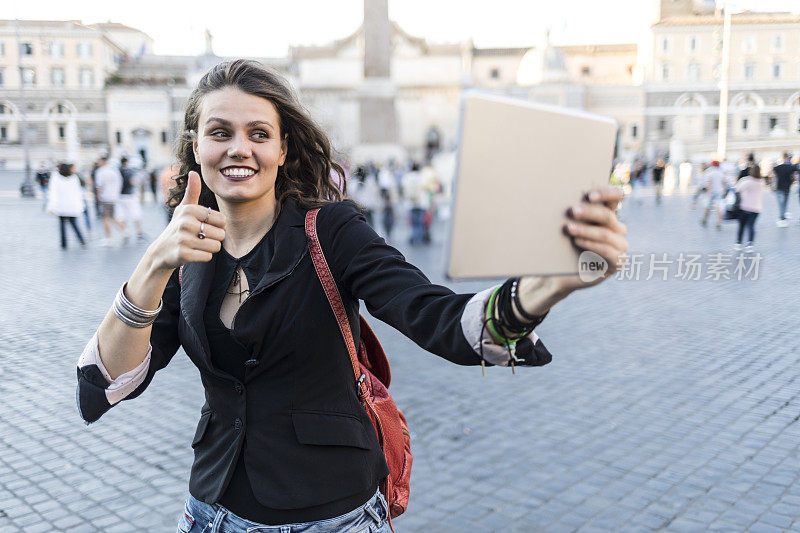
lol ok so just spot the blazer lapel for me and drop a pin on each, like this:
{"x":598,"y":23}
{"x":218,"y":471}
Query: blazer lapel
{"x":196,"y":281}
{"x":291,"y":245}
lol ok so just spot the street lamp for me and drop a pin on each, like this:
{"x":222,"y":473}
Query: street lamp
{"x":722,"y":138}
{"x":26,"y":188}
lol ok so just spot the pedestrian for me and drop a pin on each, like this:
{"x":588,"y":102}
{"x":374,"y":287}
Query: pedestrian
{"x":387,"y":214}
{"x":88,"y":202}
{"x":784,"y":175}
{"x":748,"y":163}
{"x":416,"y":219}
{"x":750,"y":189}
{"x":43,"y":179}
{"x":65,"y":200}
{"x":108,"y":183}
{"x":635,"y":179}
{"x":166,"y":181}
{"x":658,"y":177}
{"x":283,"y":438}
{"x":715,"y":185}
{"x":128,"y":206}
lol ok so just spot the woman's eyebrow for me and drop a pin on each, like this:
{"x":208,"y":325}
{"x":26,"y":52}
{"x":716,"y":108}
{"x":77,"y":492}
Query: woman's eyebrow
{"x":250,"y":124}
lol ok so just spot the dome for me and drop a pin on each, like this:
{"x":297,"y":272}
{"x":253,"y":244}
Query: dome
{"x":542,"y":64}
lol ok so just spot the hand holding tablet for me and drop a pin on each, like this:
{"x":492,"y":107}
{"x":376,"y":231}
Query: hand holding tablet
{"x":522,"y":168}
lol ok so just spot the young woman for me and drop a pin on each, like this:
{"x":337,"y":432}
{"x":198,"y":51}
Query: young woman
{"x":282,"y":437}
{"x":65,"y":200}
{"x":751,"y":190}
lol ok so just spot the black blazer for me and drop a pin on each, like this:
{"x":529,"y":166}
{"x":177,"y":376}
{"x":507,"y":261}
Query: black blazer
{"x":309,"y":441}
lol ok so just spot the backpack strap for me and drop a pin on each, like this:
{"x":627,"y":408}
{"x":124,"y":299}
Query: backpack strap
{"x":332,"y":293}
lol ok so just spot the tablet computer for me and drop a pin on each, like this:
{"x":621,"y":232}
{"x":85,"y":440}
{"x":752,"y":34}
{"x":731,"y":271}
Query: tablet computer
{"x":520,"y":166}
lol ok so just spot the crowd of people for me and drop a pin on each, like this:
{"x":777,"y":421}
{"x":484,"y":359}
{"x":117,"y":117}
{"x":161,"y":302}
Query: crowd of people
{"x":108,"y":192}
{"x":112,"y":193}
{"x":730,"y":192}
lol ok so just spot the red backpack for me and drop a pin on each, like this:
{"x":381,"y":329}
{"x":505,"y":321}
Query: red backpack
{"x":372,"y":375}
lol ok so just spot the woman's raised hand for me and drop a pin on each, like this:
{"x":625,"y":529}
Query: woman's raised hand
{"x":182,"y":241}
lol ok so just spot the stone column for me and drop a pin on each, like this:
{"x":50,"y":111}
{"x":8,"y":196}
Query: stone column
{"x":378,"y":118}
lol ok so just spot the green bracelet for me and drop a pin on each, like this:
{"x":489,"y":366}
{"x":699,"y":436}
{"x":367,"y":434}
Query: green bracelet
{"x":490,"y":322}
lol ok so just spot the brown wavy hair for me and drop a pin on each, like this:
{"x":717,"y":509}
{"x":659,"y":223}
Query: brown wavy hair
{"x":306,"y":174}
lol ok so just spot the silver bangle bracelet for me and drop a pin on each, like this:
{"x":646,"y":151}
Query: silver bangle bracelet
{"x":130,"y":322}
{"x":132,"y":315}
{"x":138,"y":311}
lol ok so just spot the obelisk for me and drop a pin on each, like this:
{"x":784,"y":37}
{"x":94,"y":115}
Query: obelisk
{"x":378,"y":120}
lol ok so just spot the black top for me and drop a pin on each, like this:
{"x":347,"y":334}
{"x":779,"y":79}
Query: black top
{"x":127,"y":180}
{"x":785,"y":173}
{"x":230,"y":356}
{"x":658,"y":173}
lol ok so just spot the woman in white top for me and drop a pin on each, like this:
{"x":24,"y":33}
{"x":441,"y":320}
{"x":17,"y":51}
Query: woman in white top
{"x":65,"y":200}
{"x":750,"y":189}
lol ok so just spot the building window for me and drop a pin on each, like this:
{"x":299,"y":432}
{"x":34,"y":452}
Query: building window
{"x":586,"y":72}
{"x":797,"y":125}
{"x":57,"y":49}
{"x":28,"y":76}
{"x":57,"y":77}
{"x":26,"y":49}
{"x":494,"y":73}
{"x":693,"y":71}
{"x":2,"y":48}
{"x":84,"y":50}
{"x":691,"y":44}
{"x":778,"y":43}
{"x":634,"y":131}
{"x":749,"y":44}
{"x":87,"y":77}
{"x":749,"y":71}
{"x":2,"y":77}
{"x":745,"y":124}
{"x":118,"y":136}
{"x":3,"y":133}
{"x":62,"y":132}
{"x":164,"y":137}
{"x":665,"y":72}
{"x":2,"y":109}
{"x":777,"y":70}
{"x":665,"y":45}
{"x":662,"y":124}
{"x":773,"y":123}
{"x":716,"y":123}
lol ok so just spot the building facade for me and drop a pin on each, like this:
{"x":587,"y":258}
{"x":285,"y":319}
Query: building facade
{"x":53,"y":78}
{"x":683,"y":84}
{"x":87,"y":89}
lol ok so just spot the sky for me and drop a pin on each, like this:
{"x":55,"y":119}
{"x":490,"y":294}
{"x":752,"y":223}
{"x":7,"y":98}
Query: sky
{"x":267,"y":28}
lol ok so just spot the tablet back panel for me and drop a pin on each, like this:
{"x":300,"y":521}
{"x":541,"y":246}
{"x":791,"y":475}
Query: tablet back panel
{"x":520,"y":166}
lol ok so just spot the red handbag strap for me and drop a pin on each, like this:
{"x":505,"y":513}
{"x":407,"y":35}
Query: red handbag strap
{"x":332,"y":292}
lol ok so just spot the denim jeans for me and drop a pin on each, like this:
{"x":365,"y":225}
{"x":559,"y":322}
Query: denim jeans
{"x":747,"y":220}
{"x":783,"y":199}
{"x":200,"y":517}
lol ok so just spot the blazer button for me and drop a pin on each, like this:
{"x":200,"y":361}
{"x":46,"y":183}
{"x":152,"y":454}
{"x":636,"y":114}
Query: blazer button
{"x":239,"y":388}
{"x":237,"y":424}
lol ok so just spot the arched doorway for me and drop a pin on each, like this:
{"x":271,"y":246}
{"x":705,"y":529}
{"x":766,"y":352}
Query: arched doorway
{"x":142,"y":144}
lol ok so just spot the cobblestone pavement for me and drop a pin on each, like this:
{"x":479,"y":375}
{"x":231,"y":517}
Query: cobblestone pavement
{"x":668,"y":405}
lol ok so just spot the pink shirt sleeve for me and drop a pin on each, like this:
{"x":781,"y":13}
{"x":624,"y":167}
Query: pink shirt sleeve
{"x":477,"y":335}
{"x":126,"y":383}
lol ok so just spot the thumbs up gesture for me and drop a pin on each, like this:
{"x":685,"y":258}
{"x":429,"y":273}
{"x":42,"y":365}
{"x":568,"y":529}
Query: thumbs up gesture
{"x":194,"y":234}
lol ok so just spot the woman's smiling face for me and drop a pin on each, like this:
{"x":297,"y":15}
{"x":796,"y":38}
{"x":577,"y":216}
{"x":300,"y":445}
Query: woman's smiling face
{"x":239,"y":146}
